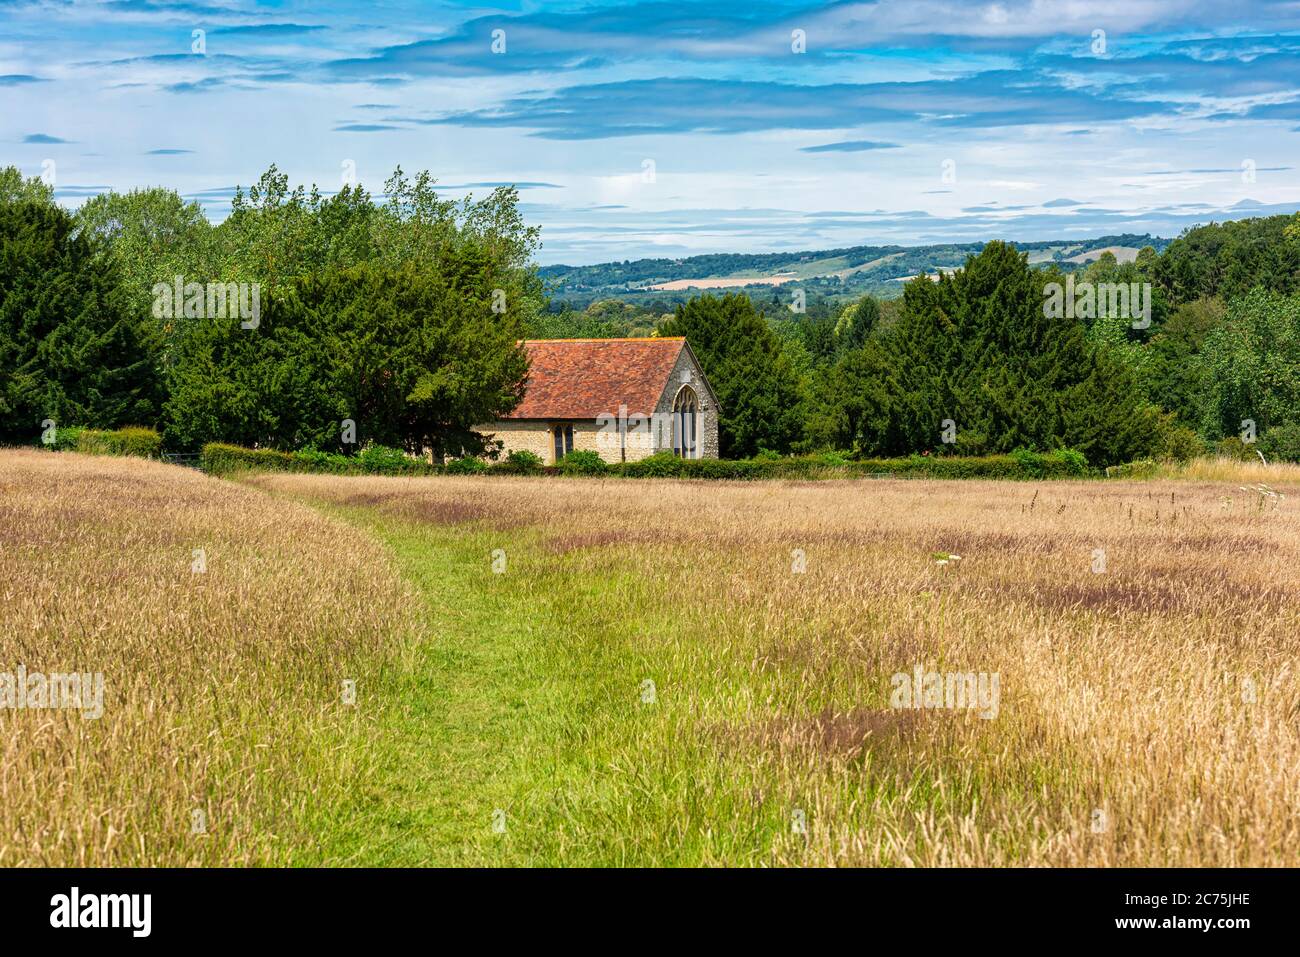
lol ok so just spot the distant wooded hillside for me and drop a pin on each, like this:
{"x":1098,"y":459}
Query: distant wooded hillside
{"x":833,"y":274}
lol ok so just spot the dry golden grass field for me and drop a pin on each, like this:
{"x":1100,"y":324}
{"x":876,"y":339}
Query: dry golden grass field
{"x":584,"y":671}
{"x":220,"y":687}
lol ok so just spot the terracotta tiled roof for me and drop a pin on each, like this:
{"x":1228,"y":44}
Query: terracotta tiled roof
{"x":587,"y":378}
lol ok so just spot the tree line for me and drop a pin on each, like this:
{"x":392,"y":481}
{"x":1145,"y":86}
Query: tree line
{"x":401,"y":314}
{"x":400,"y":317}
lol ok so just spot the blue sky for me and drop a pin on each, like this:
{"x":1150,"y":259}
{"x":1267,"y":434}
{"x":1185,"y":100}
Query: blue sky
{"x":672,"y":129}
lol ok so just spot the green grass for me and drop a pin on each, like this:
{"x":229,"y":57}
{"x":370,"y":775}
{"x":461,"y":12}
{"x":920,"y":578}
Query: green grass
{"x":526,"y":697}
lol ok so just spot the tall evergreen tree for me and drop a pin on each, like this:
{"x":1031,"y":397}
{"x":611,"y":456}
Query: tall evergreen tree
{"x":759,"y":390}
{"x":856,"y":323}
{"x":71,"y":350}
{"x":976,"y":357}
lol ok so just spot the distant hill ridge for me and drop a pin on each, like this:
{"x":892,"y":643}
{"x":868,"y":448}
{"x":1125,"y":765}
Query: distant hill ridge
{"x":832,"y":273}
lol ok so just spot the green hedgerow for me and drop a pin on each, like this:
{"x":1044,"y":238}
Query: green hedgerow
{"x":66,"y":438}
{"x":132,"y":440}
{"x":1281,"y":443}
{"x":1234,"y":448}
{"x":659,"y":465}
{"x":219,"y":458}
{"x":383,"y":460}
{"x":522,"y":462}
{"x":583,"y":462}
{"x":466,"y":465}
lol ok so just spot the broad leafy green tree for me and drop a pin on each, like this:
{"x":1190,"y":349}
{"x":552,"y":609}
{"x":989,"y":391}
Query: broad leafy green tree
{"x":1229,"y":259}
{"x":1252,"y":364}
{"x":152,"y":235}
{"x":415,"y":358}
{"x":276,"y":233}
{"x":1179,"y":379}
{"x":15,"y":188}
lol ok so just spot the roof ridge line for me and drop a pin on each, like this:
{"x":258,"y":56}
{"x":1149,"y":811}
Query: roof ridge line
{"x":613,"y":339}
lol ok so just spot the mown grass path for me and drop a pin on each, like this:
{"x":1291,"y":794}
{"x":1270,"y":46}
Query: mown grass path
{"x":449,"y":721}
{"x":523,"y":698}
